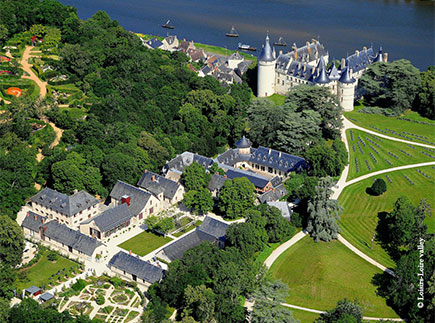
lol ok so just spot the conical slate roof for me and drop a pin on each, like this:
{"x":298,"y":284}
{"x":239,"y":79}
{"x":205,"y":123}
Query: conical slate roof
{"x":323,"y":77}
{"x":266,"y":54}
{"x":333,"y":74}
{"x":345,"y":77}
{"x":243,"y":143}
{"x":379,"y":57}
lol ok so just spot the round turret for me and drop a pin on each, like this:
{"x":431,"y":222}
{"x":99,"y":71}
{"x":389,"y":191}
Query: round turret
{"x":266,"y":71}
{"x":346,"y":90}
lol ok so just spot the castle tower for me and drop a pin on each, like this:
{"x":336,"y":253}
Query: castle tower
{"x":346,"y":90}
{"x":266,"y":71}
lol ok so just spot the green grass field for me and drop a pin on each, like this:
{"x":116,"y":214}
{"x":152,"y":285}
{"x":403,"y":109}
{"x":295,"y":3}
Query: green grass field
{"x":304,"y":317}
{"x":40,"y":273}
{"x":360,"y":214}
{"x":406,"y":154}
{"x":144,"y":243}
{"x":277,"y":99}
{"x":320,"y":274}
{"x":393,"y":123}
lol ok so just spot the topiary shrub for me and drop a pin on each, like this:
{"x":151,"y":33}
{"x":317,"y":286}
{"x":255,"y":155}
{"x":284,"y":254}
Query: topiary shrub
{"x":79,"y":285}
{"x":52,"y":256}
{"x":100,"y":299}
{"x":379,"y":187}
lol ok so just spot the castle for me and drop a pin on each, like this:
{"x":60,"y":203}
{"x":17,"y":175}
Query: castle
{"x":308,"y":65}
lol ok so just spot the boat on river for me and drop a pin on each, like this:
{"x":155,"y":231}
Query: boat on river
{"x":167,"y":25}
{"x":247,"y":47}
{"x":280,"y":42}
{"x":232,"y":33}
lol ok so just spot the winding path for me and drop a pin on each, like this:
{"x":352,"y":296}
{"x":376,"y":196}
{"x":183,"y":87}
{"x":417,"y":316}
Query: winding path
{"x":27,"y":68}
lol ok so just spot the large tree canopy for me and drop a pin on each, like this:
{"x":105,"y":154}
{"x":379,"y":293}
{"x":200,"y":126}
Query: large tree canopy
{"x":391,"y":86}
{"x":235,"y":197}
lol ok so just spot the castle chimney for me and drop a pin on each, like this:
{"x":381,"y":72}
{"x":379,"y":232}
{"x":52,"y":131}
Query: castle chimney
{"x":365,"y":48}
{"x":129,"y":252}
{"x":357,"y":52}
{"x":279,"y":155}
{"x":280,"y":52}
{"x":36,"y":217}
{"x":343,"y":63}
{"x":153,"y":178}
{"x":76,"y":191}
{"x":125,"y":199}
{"x":305,"y":67}
{"x":270,"y":150}
{"x":28,"y":213}
{"x":43,"y":220}
{"x":385,"y":55}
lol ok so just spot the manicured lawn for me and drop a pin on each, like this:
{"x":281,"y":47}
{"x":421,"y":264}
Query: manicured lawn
{"x":224,"y":51}
{"x":277,"y":99}
{"x":40,"y":273}
{"x":393,"y":123}
{"x":320,"y":274}
{"x":360,"y":215}
{"x":144,"y":243}
{"x":304,"y":317}
{"x":381,"y":153}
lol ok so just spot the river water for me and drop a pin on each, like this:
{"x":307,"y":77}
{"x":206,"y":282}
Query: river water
{"x":405,"y":29}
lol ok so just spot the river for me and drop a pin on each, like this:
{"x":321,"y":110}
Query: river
{"x":405,"y":29}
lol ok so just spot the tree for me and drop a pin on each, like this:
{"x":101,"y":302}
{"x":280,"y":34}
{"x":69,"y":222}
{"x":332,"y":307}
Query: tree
{"x":391,"y":86}
{"x":277,"y":227}
{"x":11,"y":242}
{"x":319,"y":99}
{"x":235,"y":197}
{"x":4,"y":309}
{"x":267,"y":308}
{"x":199,"y":302}
{"x":323,"y":213}
{"x":52,"y":256}
{"x":345,"y":312}
{"x":378,"y":187}
{"x":195,"y":177}
{"x":425,"y":100}
{"x":244,"y":237}
{"x":200,"y":201}
{"x":7,"y":281}
{"x":3,"y":33}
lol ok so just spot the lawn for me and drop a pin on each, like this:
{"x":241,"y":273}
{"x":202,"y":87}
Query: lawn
{"x":386,"y":124}
{"x":224,"y":51}
{"x":40,"y":273}
{"x":359,"y":217}
{"x":373,"y":153}
{"x":303,"y":316}
{"x":144,"y":243}
{"x":277,"y":99}
{"x":320,"y":274}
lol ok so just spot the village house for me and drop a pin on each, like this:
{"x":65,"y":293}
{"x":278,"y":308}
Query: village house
{"x":69,"y":210}
{"x":170,"y":43}
{"x":168,"y":191}
{"x":62,"y":238}
{"x":215,"y":184}
{"x":133,"y":268}
{"x":153,"y":43}
{"x":140,"y":202}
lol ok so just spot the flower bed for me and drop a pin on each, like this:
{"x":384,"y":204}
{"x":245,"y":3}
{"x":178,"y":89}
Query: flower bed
{"x":14,"y":91}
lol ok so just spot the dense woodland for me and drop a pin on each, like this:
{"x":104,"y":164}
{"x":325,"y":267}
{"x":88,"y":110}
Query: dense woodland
{"x":145,"y":107}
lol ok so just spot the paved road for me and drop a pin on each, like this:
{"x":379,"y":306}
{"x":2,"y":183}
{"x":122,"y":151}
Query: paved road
{"x":278,"y":251}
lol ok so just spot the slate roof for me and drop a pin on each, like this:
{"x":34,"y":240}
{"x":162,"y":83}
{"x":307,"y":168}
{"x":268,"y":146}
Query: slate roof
{"x":206,"y":70}
{"x":266,"y":54}
{"x":170,"y":39}
{"x":232,"y":156}
{"x":138,"y":197}
{"x":276,"y":159}
{"x":112,"y":218}
{"x":216,"y":182}
{"x":273,"y":195}
{"x":33,"y":289}
{"x":334,"y":75}
{"x":345,"y":77}
{"x":242,"y":67}
{"x":183,"y":160}
{"x":31,"y":223}
{"x":360,"y":60}
{"x":71,"y":238}
{"x":258,"y":180}
{"x":154,"y":43}
{"x":210,"y":230}
{"x":160,"y":184}
{"x":243,"y":143}
{"x":276,"y":181}
{"x":196,"y":54}
{"x":135,"y":266}
{"x":322,"y":77}
{"x":236,"y":56}
{"x":64,"y":204}
{"x":46,"y":296}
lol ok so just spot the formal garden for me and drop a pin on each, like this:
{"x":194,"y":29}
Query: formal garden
{"x":47,"y":269}
{"x":105,"y":298}
{"x":319,"y":274}
{"x":369,"y":153}
{"x":360,"y":215}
